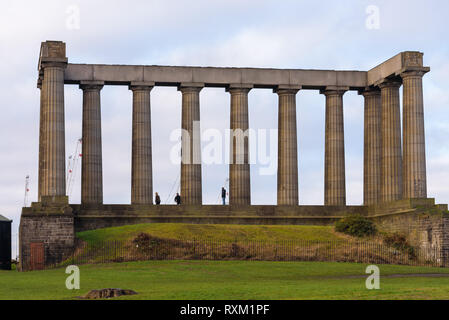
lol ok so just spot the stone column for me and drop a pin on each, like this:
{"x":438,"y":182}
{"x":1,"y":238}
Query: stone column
{"x":391,"y":159}
{"x":91,"y":161}
{"x":191,"y":192}
{"x":334,"y":153}
{"x":239,"y":168}
{"x":414,"y":153}
{"x":372,"y":147}
{"x":287,"y":178}
{"x":41,"y":142}
{"x":52,"y":64}
{"x":142,"y":168}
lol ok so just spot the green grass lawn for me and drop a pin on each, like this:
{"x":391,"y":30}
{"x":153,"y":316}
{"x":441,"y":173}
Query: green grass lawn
{"x":211,"y":231}
{"x":231,"y":280}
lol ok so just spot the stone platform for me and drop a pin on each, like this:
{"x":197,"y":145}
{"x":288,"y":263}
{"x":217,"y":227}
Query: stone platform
{"x":421,"y":220}
{"x":102,"y":216}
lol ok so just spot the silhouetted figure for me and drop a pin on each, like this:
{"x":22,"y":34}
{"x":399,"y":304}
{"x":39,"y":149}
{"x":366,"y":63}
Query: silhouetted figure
{"x":178,"y":199}
{"x":223,"y":195}
{"x":158,"y":199}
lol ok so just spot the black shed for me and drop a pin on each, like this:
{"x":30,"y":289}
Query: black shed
{"x":5,"y":243}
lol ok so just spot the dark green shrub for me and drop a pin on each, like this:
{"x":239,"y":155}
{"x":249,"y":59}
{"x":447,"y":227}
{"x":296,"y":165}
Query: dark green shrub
{"x":399,"y":242}
{"x":356,"y":226}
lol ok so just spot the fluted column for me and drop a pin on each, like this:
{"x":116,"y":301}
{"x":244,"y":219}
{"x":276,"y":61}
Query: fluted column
{"x":414,"y":153}
{"x":191,"y":192}
{"x":334,"y":166}
{"x":391,"y":159}
{"x":52,"y":136}
{"x":41,"y":142}
{"x":91,"y":161}
{"x":239,"y":168}
{"x":141,"y":169}
{"x":372,"y":147}
{"x":287,"y":177}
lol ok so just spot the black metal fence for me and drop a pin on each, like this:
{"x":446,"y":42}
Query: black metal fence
{"x":170,"y":249}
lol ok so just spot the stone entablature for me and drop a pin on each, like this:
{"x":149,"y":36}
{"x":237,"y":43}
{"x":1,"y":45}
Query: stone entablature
{"x":256,"y":77}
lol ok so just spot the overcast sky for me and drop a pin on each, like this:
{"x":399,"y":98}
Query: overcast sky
{"x":289,"y":34}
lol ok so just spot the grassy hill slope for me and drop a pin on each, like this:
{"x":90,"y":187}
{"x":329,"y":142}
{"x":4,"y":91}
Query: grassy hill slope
{"x":183,"y":231}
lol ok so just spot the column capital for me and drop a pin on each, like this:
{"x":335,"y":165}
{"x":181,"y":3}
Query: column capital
{"x":334,"y":90}
{"x":141,"y":86}
{"x":284,"y":89}
{"x":369,"y":91}
{"x":239,"y":88}
{"x":53,"y":63}
{"x":413,"y":72}
{"x":389,"y":83}
{"x":52,"y":54}
{"x":190,"y":86}
{"x":91,"y":85}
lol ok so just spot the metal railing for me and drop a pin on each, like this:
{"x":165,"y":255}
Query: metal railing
{"x":361,"y":251}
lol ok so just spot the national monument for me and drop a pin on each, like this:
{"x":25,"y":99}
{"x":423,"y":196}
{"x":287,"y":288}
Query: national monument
{"x":395,"y":186}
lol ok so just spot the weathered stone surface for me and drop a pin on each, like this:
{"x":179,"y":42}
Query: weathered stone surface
{"x":142,"y":166}
{"x":395,"y":66}
{"x":334,"y":162}
{"x":414,"y":153}
{"x":239,"y":168}
{"x":259,"y":77}
{"x":425,"y":227}
{"x":117,"y":215}
{"x":52,"y":132}
{"x":55,"y":230}
{"x":191,"y":191}
{"x":287,"y":178}
{"x":213,"y":76}
{"x":391,"y":171}
{"x":372,"y":146}
{"x":92,"y":155}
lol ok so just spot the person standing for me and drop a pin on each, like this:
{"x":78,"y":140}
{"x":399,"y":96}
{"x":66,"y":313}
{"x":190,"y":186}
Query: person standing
{"x":158,"y":199}
{"x":223,"y":195}
{"x":178,"y":199}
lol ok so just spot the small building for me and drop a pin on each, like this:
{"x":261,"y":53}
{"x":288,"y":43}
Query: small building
{"x":5,"y":243}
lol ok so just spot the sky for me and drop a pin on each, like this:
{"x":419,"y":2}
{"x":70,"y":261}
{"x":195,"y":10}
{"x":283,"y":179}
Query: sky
{"x":340,"y":35}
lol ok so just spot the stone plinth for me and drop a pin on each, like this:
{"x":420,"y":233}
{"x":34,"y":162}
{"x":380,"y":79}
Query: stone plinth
{"x":49,"y":224}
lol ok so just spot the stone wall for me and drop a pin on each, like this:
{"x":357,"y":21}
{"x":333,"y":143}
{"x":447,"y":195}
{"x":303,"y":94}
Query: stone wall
{"x":425,"y":224}
{"x":426,"y":228}
{"x":103,"y":216}
{"x":55,"y":231}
